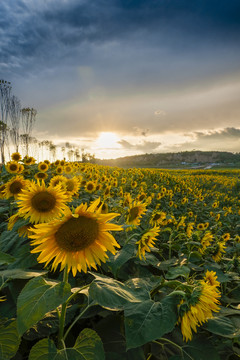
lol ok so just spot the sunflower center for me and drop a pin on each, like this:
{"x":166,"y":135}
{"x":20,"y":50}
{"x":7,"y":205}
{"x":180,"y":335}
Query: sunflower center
{"x":13,"y":167}
{"x":133,"y":213}
{"x":77,"y":233}
{"x":16,"y":187}
{"x":90,"y":186}
{"x":70,"y":185}
{"x":156,"y":217}
{"x":41,"y":175}
{"x":43,"y":201}
{"x":15,"y":157}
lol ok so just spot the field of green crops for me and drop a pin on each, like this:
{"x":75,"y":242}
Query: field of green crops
{"x":119,"y":264}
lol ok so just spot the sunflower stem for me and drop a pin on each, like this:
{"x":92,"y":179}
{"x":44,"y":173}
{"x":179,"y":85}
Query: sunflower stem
{"x":76,"y":292}
{"x":76,"y":320}
{"x":129,"y":239}
{"x":61,"y":344}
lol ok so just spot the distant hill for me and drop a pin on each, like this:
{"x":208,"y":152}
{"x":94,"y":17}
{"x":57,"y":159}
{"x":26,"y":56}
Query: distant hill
{"x":180,"y":160}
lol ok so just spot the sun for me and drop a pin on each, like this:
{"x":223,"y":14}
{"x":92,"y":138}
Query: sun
{"x":108,"y":140}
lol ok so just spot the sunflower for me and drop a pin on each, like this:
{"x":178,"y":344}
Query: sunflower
{"x":211,"y":278}
{"x":59,"y":170}
{"x":127,"y":200}
{"x":14,"y":187}
{"x":189,"y":229}
{"x":106,"y":192}
{"x":206,"y":241}
{"x":68,"y":169}
{"x":42,"y":166}
{"x":83,"y":182}
{"x":41,"y":175}
{"x":147,"y":240}
{"x":134,"y":184}
{"x":71,"y":186}
{"x":201,"y":226}
{"x":226,"y":236}
{"x":98,"y":187}
{"x":142,"y":196}
{"x":237,"y":237}
{"x":12,"y":167}
{"x":199,"y":308}
{"x":24,"y":230}
{"x":220,"y":249}
{"x":79,"y":240}
{"x":20,"y":168}
{"x":157,"y":217}
{"x":135,"y":212}
{"x":2,"y":189}
{"x":16,"y":156}
{"x":29,"y":160}
{"x":41,"y":203}
{"x":102,"y":208}
{"x":103,"y":178}
{"x":90,"y":186}
{"x":58,"y":179}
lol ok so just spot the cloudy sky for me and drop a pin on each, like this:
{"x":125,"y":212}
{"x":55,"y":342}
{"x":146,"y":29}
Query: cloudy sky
{"x":123,"y":77}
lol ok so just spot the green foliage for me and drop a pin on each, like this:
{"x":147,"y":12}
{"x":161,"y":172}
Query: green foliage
{"x":6,"y":259}
{"x":129,"y":308}
{"x":88,"y":346}
{"x":114,"y":295}
{"x":149,"y":320}
{"x":9,"y":340}
{"x":37,"y":298}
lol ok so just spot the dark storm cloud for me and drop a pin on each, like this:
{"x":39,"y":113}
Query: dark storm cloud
{"x":37,"y":33}
{"x":122,"y":65}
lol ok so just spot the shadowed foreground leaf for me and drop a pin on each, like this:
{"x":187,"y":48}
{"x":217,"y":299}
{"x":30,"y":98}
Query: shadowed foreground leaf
{"x":149,"y":320}
{"x":88,"y":346}
{"x":9,"y":341}
{"x":37,"y":298}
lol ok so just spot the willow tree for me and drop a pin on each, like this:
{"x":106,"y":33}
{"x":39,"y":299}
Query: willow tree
{"x":5,"y":94}
{"x":28,"y":120}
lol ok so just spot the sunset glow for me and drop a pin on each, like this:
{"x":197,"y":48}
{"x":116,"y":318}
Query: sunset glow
{"x":108,"y":140}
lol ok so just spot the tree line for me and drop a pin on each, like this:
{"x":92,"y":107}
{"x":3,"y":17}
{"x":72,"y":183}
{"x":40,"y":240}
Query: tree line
{"x":16,"y":125}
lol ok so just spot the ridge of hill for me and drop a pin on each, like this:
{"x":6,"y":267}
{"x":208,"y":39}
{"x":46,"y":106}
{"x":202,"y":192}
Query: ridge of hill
{"x":180,"y":160}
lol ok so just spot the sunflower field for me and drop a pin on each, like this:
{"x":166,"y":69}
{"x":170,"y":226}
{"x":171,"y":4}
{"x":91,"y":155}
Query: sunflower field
{"x":101,"y":262}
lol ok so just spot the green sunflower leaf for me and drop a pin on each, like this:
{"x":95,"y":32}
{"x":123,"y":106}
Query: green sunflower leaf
{"x":200,"y":348}
{"x":223,"y":326}
{"x":37,"y":298}
{"x":6,"y":259}
{"x":9,"y":341}
{"x":20,"y":274}
{"x":114,"y":295}
{"x":149,"y":320}
{"x":122,"y":256}
{"x":174,"y":273}
{"x":88,"y":346}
